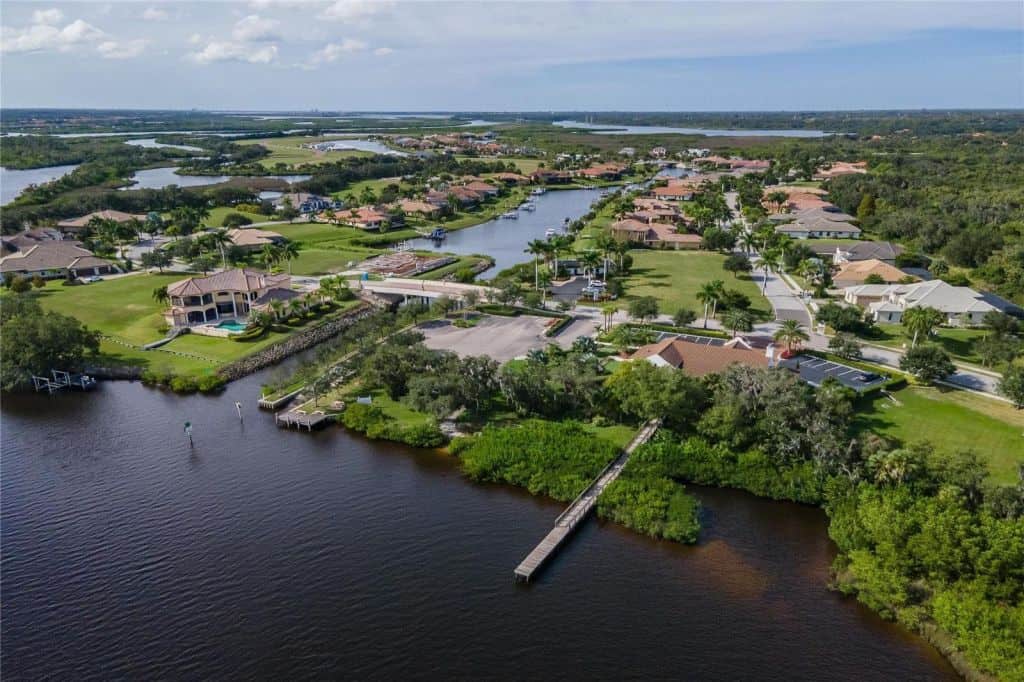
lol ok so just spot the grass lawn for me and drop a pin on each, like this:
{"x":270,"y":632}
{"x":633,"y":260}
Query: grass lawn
{"x":674,"y":277}
{"x":324,"y":261}
{"x":952,"y":420}
{"x":525,"y":166}
{"x":587,"y":237}
{"x":218,"y":214}
{"x":957,"y":342}
{"x":289,"y":151}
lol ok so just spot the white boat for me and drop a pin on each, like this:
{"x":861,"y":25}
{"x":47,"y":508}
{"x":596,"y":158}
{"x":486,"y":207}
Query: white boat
{"x":511,"y":215}
{"x":528,"y":207}
{"x":550,"y":232}
{"x":537,"y":192}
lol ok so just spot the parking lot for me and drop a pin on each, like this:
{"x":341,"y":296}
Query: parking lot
{"x":502,"y":338}
{"x":815,"y":370}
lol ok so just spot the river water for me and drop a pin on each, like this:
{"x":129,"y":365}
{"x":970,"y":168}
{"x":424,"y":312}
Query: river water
{"x":158,"y":178}
{"x":611,"y":129}
{"x":505,"y":240}
{"x":13,"y":181}
{"x":262,"y":553}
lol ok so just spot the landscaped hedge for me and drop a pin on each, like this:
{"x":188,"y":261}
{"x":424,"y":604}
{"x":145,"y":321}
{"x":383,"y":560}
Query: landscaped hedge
{"x":558,"y":326}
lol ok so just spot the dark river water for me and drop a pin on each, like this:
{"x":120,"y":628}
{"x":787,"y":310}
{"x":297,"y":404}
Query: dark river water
{"x":505,"y":240}
{"x":277,"y":555}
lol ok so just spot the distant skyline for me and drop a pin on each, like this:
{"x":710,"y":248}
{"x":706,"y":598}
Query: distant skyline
{"x":360,"y":55}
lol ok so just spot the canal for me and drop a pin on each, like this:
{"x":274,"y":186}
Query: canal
{"x":273,"y":554}
{"x":505,"y":240}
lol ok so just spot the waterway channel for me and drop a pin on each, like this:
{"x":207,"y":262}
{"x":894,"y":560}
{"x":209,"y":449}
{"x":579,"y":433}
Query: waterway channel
{"x":505,"y":240}
{"x":612,"y":129}
{"x":14,"y":181}
{"x":273,"y":554}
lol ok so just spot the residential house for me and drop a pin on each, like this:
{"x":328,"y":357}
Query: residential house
{"x":603,"y":171}
{"x":231,"y":294}
{"x":838,"y":168}
{"x":550,"y":176}
{"x":251,"y":239}
{"x":414,"y":206}
{"x":627,"y":151}
{"x":76,"y":225}
{"x":23,"y":241}
{"x":482,"y":188}
{"x":674,"y":192}
{"x":852,"y":274}
{"x":962,"y":306}
{"x":365,"y":218}
{"x":659,"y":152}
{"x":816,"y":224}
{"x":466,"y":196}
{"x":858,"y":251}
{"x":655,"y":235}
{"x":304,"y":202}
{"x":699,"y":359}
{"x":55,"y":259}
{"x":512,"y":178}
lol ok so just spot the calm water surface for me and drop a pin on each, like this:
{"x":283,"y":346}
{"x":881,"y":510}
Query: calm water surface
{"x":610,"y":129}
{"x":13,"y":182}
{"x":158,"y":178}
{"x":276,"y":555}
{"x":151,"y":143}
{"x":505,"y":240}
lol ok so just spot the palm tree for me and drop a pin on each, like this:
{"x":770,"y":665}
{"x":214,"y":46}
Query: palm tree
{"x":160,"y":294}
{"x":769,"y":261}
{"x":288,"y":251}
{"x":277,"y":307}
{"x":590,"y":261}
{"x":921,"y":321}
{"x":559,"y":244}
{"x":608,"y":311}
{"x":606,"y":245}
{"x":748,"y":241}
{"x":544,"y":283}
{"x":791,"y":333}
{"x":709,"y":294}
{"x":537,"y":248}
{"x":738,"y":321}
{"x":218,"y":239}
{"x":270,"y":255}
{"x":469,"y":301}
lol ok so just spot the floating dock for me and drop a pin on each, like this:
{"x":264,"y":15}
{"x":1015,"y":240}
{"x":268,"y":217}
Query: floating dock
{"x":568,"y":520}
{"x":302,"y":420}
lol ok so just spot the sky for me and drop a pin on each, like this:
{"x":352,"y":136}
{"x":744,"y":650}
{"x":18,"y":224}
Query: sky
{"x":388,"y":55}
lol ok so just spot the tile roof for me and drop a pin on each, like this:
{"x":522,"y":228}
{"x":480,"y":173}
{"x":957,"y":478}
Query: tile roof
{"x":700,"y":359}
{"x":252,"y":236}
{"x":51,"y":255}
{"x":858,"y":271}
{"x":236,"y":279}
{"x":117,"y":216}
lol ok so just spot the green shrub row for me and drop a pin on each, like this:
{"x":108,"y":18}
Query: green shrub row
{"x":375,"y":424}
{"x":181,"y":383}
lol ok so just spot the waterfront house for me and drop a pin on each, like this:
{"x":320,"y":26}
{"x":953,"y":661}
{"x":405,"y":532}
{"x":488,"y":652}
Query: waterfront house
{"x":55,"y":259}
{"x":654,"y":235}
{"x":852,"y":274}
{"x":25,"y":240}
{"x":603,"y":171}
{"x":365,"y":218}
{"x":76,"y":225}
{"x":674,"y":192}
{"x":962,"y":306}
{"x":304,"y":202}
{"x":511,"y":178}
{"x":251,"y":239}
{"x":838,"y":168}
{"x":482,"y":188}
{"x":414,"y":206}
{"x":549,"y":176}
{"x":699,"y":359}
{"x":230,"y":294}
{"x":816,"y":223}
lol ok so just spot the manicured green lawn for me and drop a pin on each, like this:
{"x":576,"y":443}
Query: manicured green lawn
{"x":602,"y":221}
{"x":952,"y":420}
{"x":314,"y":233}
{"x":674,"y":277}
{"x":289,"y":150}
{"x":218,"y":214}
{"x":314,"y":261}
{"x":958,"y":342}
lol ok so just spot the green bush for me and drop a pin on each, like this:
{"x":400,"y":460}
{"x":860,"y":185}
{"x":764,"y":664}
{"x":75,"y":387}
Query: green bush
{"x":184,"y":384}
{"x":375,"y":424}
{"x":557,"y":459}
{"x":654,"y":506}
{"x":211,"y":383}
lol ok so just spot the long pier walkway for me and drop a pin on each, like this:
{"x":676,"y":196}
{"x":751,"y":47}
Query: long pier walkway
{"x":568,"y":520}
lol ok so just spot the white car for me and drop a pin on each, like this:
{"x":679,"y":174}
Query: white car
{"x":91,"y":280}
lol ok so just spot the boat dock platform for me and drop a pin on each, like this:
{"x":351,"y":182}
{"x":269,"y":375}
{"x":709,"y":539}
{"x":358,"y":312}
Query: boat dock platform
{"x":569,"y":519}
{"x":302,"y":420}
{"x":59,"y":379}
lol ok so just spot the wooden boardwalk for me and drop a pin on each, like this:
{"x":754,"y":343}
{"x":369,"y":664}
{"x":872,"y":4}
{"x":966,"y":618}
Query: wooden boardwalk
{"x":568,"y":520}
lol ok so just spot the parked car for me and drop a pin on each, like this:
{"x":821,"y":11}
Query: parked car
{"x":91,"y":280}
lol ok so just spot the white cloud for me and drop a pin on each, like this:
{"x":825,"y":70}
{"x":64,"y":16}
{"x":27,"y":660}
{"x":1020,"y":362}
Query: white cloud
{"x":111,"y":49}
{"x":47,"y":16}
{"x":383,"y":51}
{"x":254,"y":28}
{"x":155,"y":14}
{"x":217,"y":51}
{"x":355,"y":10}
{"x":44,"y":37}
{"x":195,"y":39}
{"x":332,"y":52}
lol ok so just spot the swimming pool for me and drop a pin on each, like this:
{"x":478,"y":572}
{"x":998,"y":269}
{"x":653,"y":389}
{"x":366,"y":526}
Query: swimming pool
{"x":231,"y":325}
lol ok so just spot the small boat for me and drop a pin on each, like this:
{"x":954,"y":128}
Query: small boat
{"x":528,"y":207}
{"x":511,"y":215}
{"x":438,"y":234}
{"x":550,"y":232}
{"x":537,"y":192}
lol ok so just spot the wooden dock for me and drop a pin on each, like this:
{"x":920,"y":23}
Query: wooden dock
{"x":301,"y":420}
{"x":569,"y":519}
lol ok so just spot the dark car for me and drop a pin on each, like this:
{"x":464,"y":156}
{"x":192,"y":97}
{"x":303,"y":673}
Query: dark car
{"x":868,"y":377}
